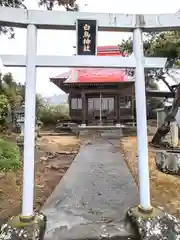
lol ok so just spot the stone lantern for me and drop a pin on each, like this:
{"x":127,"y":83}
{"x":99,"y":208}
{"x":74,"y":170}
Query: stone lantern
{"x":174,"y":126}
{"x":20,"y":122}
{"x":20,"y":119}
{"x":161,"y":114}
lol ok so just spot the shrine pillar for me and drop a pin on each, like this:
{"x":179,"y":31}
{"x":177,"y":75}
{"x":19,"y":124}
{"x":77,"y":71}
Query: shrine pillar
{"x":117,"y":101}
{"x":70,"y":104}
{"x":84,"y":106}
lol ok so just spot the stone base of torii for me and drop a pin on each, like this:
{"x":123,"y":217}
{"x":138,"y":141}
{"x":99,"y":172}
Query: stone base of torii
{"x":155,"y":225}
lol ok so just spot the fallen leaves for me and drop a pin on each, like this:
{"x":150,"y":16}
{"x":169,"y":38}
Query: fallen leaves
{"x":165,"y":189}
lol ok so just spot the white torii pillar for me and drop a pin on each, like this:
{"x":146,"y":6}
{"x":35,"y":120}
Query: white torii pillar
{"x":31,"y":61}
{"x":141,"y":120}
{"x":29,"y":124}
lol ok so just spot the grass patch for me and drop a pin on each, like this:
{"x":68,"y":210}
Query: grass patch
{"x":10,"y":159}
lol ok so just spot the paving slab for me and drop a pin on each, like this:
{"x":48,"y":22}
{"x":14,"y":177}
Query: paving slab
{"x":91,"y":200}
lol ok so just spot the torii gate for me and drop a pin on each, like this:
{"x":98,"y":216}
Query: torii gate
{"x":34,"y":20}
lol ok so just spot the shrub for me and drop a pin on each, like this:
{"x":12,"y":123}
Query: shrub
{"x":49,"y":114}
{"x":9,"y":156}
{"x":4,"y":109}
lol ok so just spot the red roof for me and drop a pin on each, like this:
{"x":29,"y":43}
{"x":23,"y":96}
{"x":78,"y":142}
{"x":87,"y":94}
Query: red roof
{"x":96,"y":75}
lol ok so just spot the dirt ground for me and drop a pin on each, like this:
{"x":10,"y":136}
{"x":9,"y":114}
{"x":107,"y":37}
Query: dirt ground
{"x":54,"y":155}
{"x":165,"y":189}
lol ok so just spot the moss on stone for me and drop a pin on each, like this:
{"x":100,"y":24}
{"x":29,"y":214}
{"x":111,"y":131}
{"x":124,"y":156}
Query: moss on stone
{"x":157,"y":225}
{"x":15,"y":229}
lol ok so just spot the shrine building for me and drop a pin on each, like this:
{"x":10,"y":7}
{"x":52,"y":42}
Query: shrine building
{"x":99,"y":95}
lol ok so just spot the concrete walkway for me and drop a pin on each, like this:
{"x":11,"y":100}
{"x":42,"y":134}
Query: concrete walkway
{"x":91,"y":199}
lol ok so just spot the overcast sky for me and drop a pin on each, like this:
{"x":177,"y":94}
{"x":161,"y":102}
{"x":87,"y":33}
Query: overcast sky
{"x":62,"y":42}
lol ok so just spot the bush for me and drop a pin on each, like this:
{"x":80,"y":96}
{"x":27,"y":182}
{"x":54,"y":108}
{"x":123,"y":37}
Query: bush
{"x":4,"y":109}
{"x":9,"y":156}
{"x":50,"y":115}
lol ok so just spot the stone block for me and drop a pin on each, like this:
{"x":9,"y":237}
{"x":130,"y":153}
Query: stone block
{"x":155,"y":225}
{"x":168,"y":161}
{"x":16,"y":229}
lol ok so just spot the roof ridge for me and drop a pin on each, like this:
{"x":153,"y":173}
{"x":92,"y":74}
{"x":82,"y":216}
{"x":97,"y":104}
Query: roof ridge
{"x":108,"y":48}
